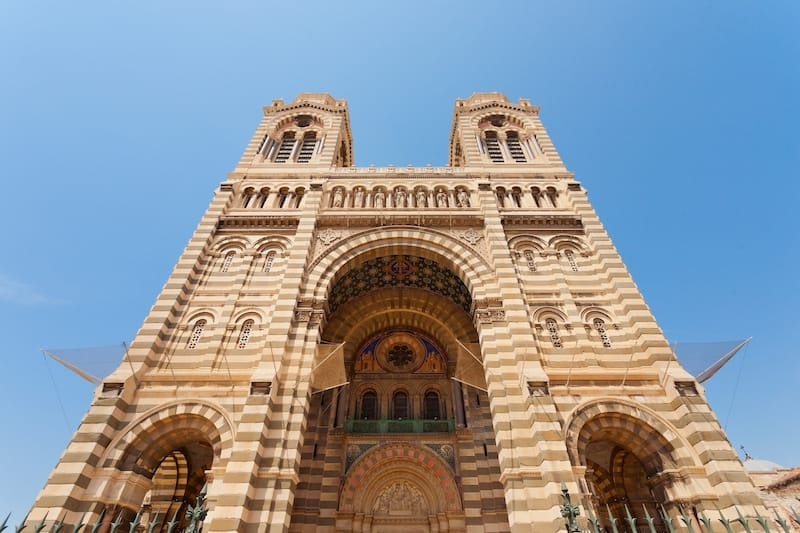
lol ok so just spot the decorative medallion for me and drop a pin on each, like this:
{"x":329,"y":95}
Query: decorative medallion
{"x":328,"y":236}
{"x":400,"y":355}
{"x":400,"y":350}
{"x":472,"y":236}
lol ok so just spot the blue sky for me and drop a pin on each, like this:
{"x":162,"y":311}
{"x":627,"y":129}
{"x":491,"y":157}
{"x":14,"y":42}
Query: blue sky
{"x":117,"y":121}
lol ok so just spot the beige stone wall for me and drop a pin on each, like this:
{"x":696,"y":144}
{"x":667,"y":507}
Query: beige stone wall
{"x":580,"y":385}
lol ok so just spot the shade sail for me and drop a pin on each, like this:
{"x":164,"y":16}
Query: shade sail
{"x":328,"y":371}
{"x":704,"y":359}
{"x":93,"y":363}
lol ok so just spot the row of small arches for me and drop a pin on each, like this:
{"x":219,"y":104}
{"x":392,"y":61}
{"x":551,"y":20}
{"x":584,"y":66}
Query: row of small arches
{"x":400,"y":197}
{"x":597,"y":324}
{"x":500,"y":147}
{"x":527,"y":256}
{"x":527,"y":247}
{"x":292,"y":147}
{"x":530,"y":197}
{"x":272,"y":198}
{"x":267,"y":263}
{"x":505,"y":138}
{"x":400,"y":407}
{"x":245,"y":332}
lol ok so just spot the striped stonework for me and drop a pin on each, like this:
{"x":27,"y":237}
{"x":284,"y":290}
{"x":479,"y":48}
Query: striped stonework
{"x":492,"y":342}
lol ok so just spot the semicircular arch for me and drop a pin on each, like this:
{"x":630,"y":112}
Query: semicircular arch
{"x":369,"y":474}
{"x":180,"y":417}
{"x":639,"y":428}
{"x":474,"y":271}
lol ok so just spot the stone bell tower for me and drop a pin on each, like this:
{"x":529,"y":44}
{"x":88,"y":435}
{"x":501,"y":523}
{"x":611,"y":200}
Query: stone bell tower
{"x":398,"y":349}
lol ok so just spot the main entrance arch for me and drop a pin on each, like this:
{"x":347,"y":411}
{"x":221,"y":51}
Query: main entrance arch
{"x":392,"y":445}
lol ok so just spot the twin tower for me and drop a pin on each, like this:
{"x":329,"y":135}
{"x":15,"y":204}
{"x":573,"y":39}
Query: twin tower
{"x":405,"y":349}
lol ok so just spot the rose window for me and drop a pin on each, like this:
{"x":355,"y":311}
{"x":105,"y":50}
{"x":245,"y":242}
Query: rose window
{"x":400,"y":355}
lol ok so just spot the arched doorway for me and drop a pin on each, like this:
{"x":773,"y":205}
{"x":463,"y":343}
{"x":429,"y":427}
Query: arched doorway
{"x":627,"y":466}
{"x":164,"y":465}
{"x":400,"y":487}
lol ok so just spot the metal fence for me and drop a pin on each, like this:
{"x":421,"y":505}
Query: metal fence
{"x":195,"y":514}
{"x":193,"y":517}
{"x":630,"y":524}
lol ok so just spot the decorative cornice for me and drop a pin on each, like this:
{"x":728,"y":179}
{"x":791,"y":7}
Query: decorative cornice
{"x":257,"y":221}
{"x":439,"y":219}
{"x":562,"y":221}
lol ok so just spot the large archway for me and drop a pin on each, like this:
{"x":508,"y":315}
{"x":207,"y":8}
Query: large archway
{"x":630,"y":458}
{"x":404,"y":317}
{"x":164,"y":459}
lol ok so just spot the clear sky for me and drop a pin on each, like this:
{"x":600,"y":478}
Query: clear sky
{"x":118,"y":120}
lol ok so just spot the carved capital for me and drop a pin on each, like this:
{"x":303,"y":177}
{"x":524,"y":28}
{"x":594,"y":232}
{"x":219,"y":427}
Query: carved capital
{"x":302,"y":315}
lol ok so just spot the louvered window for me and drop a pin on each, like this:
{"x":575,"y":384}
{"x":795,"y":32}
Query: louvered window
{"x":493,"y":147}
{"x":307,"y":147}
{"x":552,"y":329}
{"x":514,"y":147}
{"x":286,"y":148}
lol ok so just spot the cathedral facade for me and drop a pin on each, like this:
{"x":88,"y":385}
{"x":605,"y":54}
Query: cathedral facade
{"x":415,"y":349}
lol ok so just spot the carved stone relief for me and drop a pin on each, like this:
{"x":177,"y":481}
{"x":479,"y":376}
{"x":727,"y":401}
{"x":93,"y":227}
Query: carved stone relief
{"x":401,"y":499}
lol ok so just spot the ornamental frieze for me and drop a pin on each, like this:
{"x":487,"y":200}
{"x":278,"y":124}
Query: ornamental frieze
{"x":489,"y":310}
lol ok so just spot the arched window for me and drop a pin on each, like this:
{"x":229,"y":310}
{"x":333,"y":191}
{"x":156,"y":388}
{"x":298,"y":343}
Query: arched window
{"x":493,"y":147}
{"x":400,"y":405}
{"x":247,"y":196}
{"x":268,"y":261}
{"x":226,"y":263}
{"x":552,"y":328}
{"x":286,"y":148}
{"x":600,"y":326}
{"x":369,"y":405}
{"x":529,"y":259}
{"x":537,"y":196}
{"x":500,"y":192}
{"x":516,"y":197}
{"x":244,"y":334}
{"x":514,"y":147}
{"x":283,"y":198}
{"x":431,"y":406}
{"x":262,"y":148}
{"x":570,"y":255}
{"x":197,"y":332}
{"x":263,"y":195}
{"x":307,"y":147}
{"x":552,"y":195}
